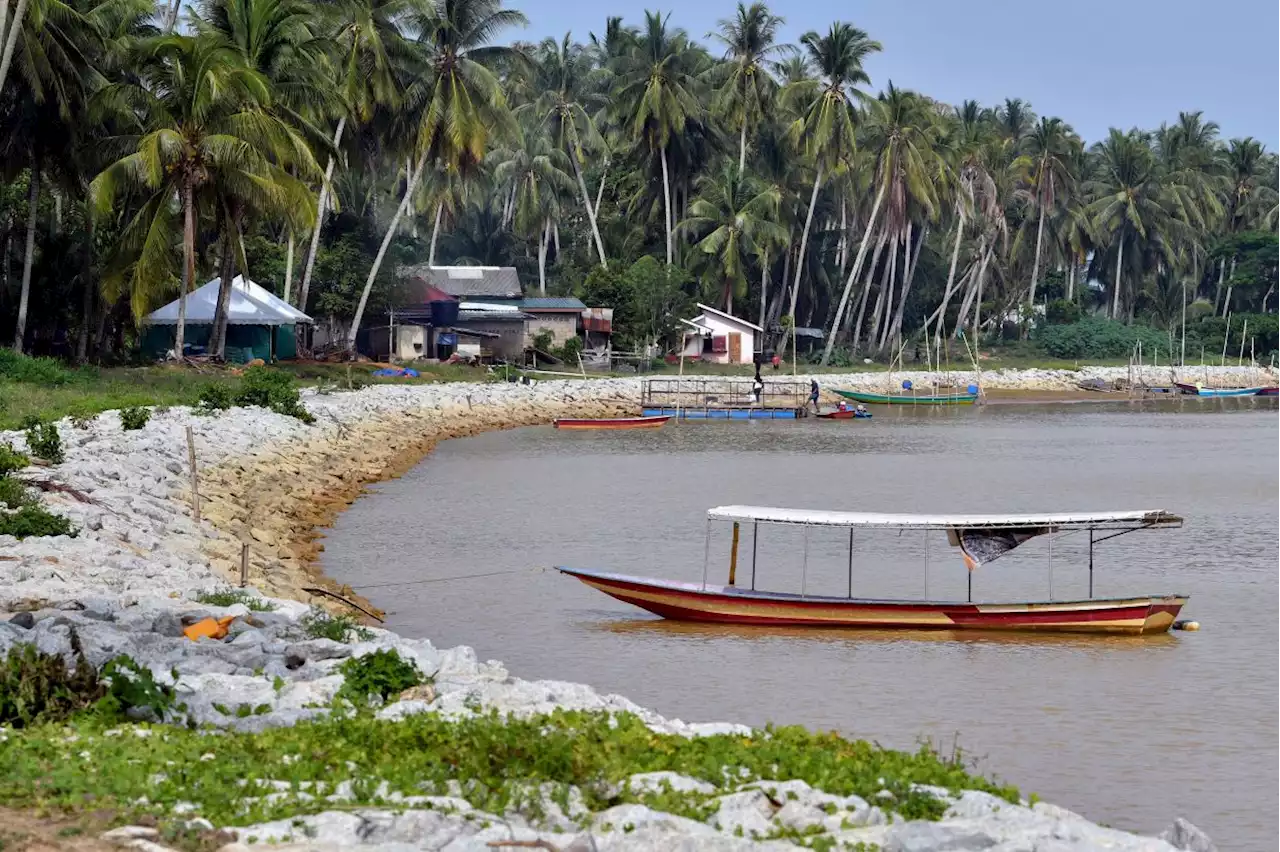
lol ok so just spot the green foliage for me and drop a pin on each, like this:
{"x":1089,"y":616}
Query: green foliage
{"x":648,"y":299}
{"x":134,"y":418}
{"x":1062,"y":312}
{"x":497,"y":759}
{"x":544,"y":340}
{"x":13,"y":494}
{"x":228,"y":596}
{"x":36,"y":687}
{"x":274,"y":390}
{"x":320,"y":624}
{"x":382,"y":673}
{"x":32,"y":520}
{"x":1099,"y":338}
{"x":1212,"y":333}
{"x":215,"y":398}
{"x":570,"y":351}
{"x":37,"y":371}
{"x":43,"y":440}
{"x":132,"y":690}
{"x":11,"y":460}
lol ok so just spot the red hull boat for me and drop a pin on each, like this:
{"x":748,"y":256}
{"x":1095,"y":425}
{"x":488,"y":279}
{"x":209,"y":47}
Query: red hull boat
{"x":612,"y":423}
{"x":981,"y":539}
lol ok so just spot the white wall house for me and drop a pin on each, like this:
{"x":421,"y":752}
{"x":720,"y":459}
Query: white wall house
{"x":720,"y":338}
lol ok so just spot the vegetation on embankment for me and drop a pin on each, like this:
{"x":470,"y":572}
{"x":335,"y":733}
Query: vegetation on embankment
{"x":87,"y":766}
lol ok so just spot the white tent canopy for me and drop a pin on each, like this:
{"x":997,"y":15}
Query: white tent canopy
{"x":249,"y":304}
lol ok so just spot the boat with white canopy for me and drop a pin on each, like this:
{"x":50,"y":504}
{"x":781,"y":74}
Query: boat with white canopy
{"x":980,"y":539}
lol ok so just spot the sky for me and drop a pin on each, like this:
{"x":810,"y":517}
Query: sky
{"x":1096,"y":64}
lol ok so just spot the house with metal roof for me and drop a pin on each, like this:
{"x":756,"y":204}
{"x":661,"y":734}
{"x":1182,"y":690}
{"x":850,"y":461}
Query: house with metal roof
{"x":721,"y":338}
{"x":470,"y":283}
{"x":560,"y":316}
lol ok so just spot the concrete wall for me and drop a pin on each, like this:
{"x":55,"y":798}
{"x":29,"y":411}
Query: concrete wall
{"x":563,"y":327}
{"x":509,"y":343}
{"x":409,"y":344}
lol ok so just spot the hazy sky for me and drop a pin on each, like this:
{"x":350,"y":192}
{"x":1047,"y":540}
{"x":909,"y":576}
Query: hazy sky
{"x":1095,"y":63}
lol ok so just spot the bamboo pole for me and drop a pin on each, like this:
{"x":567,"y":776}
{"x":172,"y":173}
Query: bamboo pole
{"x":195,"y":482}
{"x":1226,"y":336}
{"x":1243,"y":332}
{"x":244,"y":564}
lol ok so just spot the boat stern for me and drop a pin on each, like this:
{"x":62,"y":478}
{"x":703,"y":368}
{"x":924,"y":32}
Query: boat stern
{"x":1161,"y":614}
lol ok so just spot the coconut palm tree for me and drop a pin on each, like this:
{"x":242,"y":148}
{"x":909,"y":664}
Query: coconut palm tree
{"x":538,"y":172}
{"x":826,"y":128}
{"x":570,"y":96}
{"x":901,"y":134}
{"x":734,"y":219}
{"x":1048,"y":146}
{"x":455,"y":103}
{"x":203,"y":131}
{"x":1015,"y":119}
{"x":745,"y":86}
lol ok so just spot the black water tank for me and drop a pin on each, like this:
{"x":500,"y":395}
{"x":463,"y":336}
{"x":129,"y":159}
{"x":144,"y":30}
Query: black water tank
{"x":444,"y":312}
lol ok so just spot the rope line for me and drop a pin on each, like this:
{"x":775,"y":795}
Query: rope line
{"x":447,"y":579}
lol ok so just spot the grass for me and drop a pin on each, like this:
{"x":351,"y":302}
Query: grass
{"x":85,"y":767}
{"x":319,"y":624}
{"x":227,"y":596}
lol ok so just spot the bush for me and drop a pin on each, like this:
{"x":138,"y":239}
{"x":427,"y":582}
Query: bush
{"x":134,"y":418}
{"x":1099,"y":338}
{"x":382,"y":673}
{"x":1062,"y":312}
{"x":43,"y":440}
{"x":33,"y":520}
{"x":13,"y":494}
{"x":570,"y":351}
{"x":133,"y":691}
{"x":227,"y":596}
{"x":37,"y":687}
{"x":36,"y":371}
{"x":319,"y":624}
{"x":215,"y":398}
{"x":274,"y":390}
{"x":11,"y":460}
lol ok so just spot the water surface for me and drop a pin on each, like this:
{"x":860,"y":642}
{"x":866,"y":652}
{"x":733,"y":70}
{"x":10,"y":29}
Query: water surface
{"x":1130,"y":731}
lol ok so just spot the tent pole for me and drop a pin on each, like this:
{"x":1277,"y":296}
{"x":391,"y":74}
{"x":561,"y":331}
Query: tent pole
{"x":1091,"y":564}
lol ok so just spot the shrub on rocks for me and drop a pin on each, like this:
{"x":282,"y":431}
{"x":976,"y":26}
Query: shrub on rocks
{"x":134,"y":418}
{"x":382,"y":673}
{"x":319,"y":624}
{"x":43,"y":440}
{"x":262,"y":387}
{"x":30,"y":518}
{"x":227,"y":596}
{"x":215,"y":398}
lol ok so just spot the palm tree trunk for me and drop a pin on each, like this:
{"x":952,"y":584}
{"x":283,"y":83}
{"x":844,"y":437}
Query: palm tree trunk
{"x":382,"y":250}
{"x":804,"y":242}
{"x":742,"y":146}
{"x":883,"y":298}
{"x":666,"y":194}
{"x":11,"y":39}
{"x":600,"y":192}
{"x":853,"y":274}
{"x":1071,"y":280}
{"x":866,"y":292}
{"x":435,"y":233}
{"x":842,"y":250}
{"x":1115,"y":297}
{"x":542,"y":257}
{"x":171,"y":16}
{"x":226,"y":274}
{"x":86,"y":313}
{"x":1035,"y":266}
{"x":977,"y":302}
{"x":1217,"y":294}
{"x":28,"y":257}
{"x":951,"y":274}
{"x":555,"y":237}
{"x":322,"y":204}
{"x":764,"y":289}
{"x":188,"y":266}
{"x":288,"y":268}
{"x":1231,"y":283}
{"x":895,"y":328}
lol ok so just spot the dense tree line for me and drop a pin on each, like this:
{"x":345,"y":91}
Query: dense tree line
{"x":317,"y":146}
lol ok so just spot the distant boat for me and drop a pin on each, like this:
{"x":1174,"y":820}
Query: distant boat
{"x":907,"y":399}
{"x":980,"y":538}
{"x":1272,"y":391}
{"x":611,"y":423}
{"x":846,"y":414}
{"x":1199,"y":390}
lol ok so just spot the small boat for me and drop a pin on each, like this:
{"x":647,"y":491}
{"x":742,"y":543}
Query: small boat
{"x":846,"y":414}
{"x":980,"y":538}
{"x":908,"y":399}
{"x":1200,"y":390}
{"x":611,"y":423}
{"x":1272,"y":391}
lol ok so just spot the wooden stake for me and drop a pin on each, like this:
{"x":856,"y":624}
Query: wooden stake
{"x":195,"y":483}
{"x":1243,"y":332}
{"x":244,"y":564}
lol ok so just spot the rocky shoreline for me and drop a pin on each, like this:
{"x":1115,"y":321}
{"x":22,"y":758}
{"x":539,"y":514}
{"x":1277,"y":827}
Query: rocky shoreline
{"x":131,"y":579}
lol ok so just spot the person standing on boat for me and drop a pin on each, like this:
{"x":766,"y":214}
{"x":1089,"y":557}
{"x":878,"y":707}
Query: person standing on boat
{"x":813,"y":394}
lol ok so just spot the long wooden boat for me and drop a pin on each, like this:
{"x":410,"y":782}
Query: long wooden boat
{"x":1198,"y":390}
{"x":1271,"y":391}
{"x":908,"y":399}
{"x":847,"y":414}
{"x":611,"y":423}
{"x":981,"y":539}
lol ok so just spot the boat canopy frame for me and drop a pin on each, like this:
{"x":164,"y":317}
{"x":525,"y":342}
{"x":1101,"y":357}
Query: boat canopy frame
{"x":1117,"y":523}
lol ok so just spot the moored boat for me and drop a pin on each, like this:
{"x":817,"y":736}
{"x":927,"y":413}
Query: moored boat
{"x":909,"y":399}
{"x":1200,"y":390}
{"x":980,"y":538}
{"x":1271,"y":391}
{"x":611,"y":423}
{"x":845,"y":414}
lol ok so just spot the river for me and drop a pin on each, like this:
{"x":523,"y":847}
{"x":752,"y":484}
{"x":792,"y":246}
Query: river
{"x":1129,"y":731}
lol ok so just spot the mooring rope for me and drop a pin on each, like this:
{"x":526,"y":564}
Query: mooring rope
{"x":447,"y":579}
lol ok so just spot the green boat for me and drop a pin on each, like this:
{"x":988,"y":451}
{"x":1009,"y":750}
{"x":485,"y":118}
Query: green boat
{"x":907,"y":399}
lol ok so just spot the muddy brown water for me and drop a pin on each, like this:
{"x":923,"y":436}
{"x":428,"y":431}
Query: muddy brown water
{"x":1130,"y":731}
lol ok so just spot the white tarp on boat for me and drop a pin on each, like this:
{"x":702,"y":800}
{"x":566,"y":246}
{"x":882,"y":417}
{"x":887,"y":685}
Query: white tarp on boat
{"x":249,"y":304}
{"x":825,"y":518}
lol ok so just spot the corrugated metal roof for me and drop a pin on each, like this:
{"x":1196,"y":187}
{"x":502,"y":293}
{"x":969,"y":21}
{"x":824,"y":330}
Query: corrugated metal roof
{"x":501,"y":282}
{"x":552,"y":303}
{"x":492,"y":316}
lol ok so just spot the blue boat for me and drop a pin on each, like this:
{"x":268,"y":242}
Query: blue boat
{"x":1198,"y":390}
